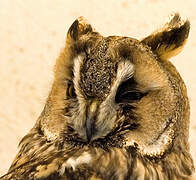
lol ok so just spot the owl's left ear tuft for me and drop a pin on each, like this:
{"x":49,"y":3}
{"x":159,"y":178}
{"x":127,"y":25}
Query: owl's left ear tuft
{"x":79,"y":27}
{"x":169,"y":40}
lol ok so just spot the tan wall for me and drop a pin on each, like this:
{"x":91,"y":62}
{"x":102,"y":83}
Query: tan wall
{"x":32,"y":33}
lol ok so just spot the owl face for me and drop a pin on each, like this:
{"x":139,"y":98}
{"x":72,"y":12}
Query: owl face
{"x":119,"y":91}
{"x":109,"y":86}
{"x":118,"y":109}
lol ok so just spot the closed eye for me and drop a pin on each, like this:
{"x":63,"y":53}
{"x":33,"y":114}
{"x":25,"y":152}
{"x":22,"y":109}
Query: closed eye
{"x":70,"y":90}
{"x":129,"y":96}
{"x":127,"y":92}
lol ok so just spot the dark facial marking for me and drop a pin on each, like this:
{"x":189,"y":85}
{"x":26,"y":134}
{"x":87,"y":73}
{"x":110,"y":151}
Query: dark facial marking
{"x":97,"y":72}
{"x":128,"y":92}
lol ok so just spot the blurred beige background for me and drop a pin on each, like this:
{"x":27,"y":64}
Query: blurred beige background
{"x":32,"y":34}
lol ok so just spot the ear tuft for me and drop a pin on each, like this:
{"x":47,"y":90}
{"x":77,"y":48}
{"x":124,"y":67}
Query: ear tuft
{"x":169,"y":40}
{"x":79,"y":27}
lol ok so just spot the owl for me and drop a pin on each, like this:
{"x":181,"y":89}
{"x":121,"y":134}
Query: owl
{"x":117,"y":110}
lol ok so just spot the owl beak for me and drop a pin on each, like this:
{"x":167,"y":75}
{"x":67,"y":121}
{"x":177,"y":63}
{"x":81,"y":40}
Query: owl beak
{"x":90,"y":121}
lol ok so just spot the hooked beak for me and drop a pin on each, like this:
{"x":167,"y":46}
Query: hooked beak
{"x":90,"y":121}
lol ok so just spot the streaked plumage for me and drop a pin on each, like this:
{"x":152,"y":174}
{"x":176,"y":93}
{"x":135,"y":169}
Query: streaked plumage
{"x":118,"y":109}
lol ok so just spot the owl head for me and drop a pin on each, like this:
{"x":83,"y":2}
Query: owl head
{"x":119,"y":91}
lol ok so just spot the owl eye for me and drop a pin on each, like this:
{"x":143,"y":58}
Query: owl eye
{"x":129,"y":96}
{"x":71,"y":91}
{"x":127,"y":92}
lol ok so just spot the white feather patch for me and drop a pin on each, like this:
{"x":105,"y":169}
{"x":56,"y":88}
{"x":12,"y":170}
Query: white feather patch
{"x":85,"y":158}
{"x":78,"y":61}
{"x":124,"y":72}
{"x":157,"y":148}
{"x":50,"y":135}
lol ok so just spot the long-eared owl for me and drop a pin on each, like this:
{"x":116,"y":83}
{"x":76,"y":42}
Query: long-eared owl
{"x":118,"y":109}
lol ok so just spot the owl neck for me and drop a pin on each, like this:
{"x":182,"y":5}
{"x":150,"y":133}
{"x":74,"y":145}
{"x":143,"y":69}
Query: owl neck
{"x":113,"y":163}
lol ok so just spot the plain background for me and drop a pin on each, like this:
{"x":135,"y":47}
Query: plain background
{"x":32,"y":33}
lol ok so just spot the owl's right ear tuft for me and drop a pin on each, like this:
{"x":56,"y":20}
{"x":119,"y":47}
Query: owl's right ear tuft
{"x":73,"y":47}
{"x":79,"y":27}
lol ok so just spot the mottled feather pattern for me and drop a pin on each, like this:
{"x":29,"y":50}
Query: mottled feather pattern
{"x":116,"y":163}
{"x":118,"y":110}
